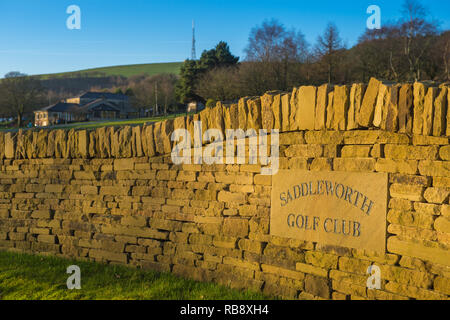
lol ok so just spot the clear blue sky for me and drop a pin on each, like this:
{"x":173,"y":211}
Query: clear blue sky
{"x":35,"y":39}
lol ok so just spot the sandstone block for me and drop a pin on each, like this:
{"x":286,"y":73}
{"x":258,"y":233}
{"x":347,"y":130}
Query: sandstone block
{"x":420,"y":91}
{"x":448,"y":113}
{"x":230,"y":197}
{"x":355,"y":151}
{"x":290,"y":138}
{"x":282,"y":272}
{"x":285,"y":112}
{"x":381,"y":106}
{"x":330,"y":110}
{"x":254,"y":114}
{"x":271,"y":110}
{"x":418,"y":250}
{"x":434,"y":168}
{"x":341,"y":103}
{"x":405,"y":152}
{"x":320,"y":259}
{"x":428,"y":111}
{"x":305,"y":107}
{"x":440,"y":113}
{"x":234,"y":117}
{"x":136,"y":142}
{"x":216,"y":120}
{"x":46,"y":238}
{"x":103,"y":255}
{"x":309,"y":269}
{"x":148,"y":142}
{"x":367,"y":110}
{"x":242,"y":113}
{"x":436,"y":195}
{"x":425,"y":141}
{"x":89,"y":190}
{"x":356,"y":97}
{"x":396,"y":166}
{"x":444,"y":153}
{"x":317,"y":286}
{"x":250,"y":246}
{"x":442,"y":224}
{"x":354,"y":164}
{"x":392,"y":117}
{"x":442,"y":284}
{"x":235,"y":227}
{"x":123,"y":164}
{"x":408,"y":192}
{"x":405,"y":108}
{"x":304,"y":151}
{"x":10,"y":141}
{"x":321,"y":107}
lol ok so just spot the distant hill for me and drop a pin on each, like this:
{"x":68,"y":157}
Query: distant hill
{"x":124,"y":71}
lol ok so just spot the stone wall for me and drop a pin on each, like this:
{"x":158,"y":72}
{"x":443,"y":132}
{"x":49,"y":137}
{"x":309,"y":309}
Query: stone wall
{"x":113,"y":194}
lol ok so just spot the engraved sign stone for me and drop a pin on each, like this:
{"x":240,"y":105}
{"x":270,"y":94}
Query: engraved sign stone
{"x":345,"y":209}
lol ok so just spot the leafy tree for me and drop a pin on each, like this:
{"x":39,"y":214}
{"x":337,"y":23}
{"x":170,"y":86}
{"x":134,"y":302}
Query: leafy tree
{"x":218,"y":57}
{"x":211,"y":103}
{"x":20,"y":94}
{"x":129,"y":92}
{"x":184,"y":90}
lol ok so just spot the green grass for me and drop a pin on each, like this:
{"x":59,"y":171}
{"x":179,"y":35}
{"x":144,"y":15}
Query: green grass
{"x":113,"y":123}
{"x":125,"y":71}
{"x":30,"y":277}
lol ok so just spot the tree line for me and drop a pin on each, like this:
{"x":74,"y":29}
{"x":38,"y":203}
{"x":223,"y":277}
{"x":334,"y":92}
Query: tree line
{"x":276,"y":58}
{"x":410,"y":49}
{"x":21,"y":94}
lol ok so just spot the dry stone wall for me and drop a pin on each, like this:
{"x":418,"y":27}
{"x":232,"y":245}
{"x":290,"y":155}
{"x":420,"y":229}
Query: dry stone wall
{"x":113,"y":194}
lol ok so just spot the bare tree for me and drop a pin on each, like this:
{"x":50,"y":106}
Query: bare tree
{"x":166,"y":83}
{"x":446,"y":55}
{"x":416,"y":31}
{"x":220,"y":84}
{"x":20,"y":94}
{"x":276,"y":49}
{"x":328,"y":45}
{"x":149,"y":92}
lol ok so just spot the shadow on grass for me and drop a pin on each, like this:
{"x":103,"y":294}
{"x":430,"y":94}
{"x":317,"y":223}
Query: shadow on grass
{"x":32,"y":277}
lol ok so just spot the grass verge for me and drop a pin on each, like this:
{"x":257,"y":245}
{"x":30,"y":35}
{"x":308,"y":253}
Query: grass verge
{"x":32,"y":277}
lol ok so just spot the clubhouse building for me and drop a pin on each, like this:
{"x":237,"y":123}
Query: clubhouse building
{"x":91,"y":106}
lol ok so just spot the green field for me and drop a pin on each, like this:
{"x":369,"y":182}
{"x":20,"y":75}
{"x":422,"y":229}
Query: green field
{"x":115,"y":123}
{"x":28,"y":277}
{"x":125,"y":71}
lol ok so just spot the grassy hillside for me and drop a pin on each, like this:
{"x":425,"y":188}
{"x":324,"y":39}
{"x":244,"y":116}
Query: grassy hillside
{"x":125,"y":71}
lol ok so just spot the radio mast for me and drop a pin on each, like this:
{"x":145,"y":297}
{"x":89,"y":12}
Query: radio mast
{"x":193,"y":53}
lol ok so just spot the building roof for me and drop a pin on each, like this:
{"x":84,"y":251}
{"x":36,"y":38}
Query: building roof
{"x":106,"y":95}
{"x":106,"y":101}
{"x":102,"y":103}
{"x":60,"y":107}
